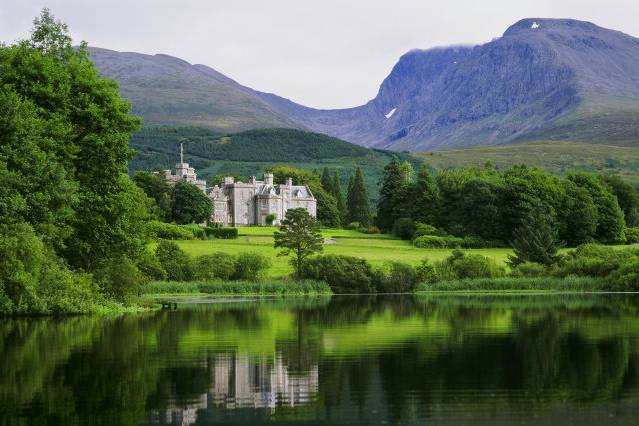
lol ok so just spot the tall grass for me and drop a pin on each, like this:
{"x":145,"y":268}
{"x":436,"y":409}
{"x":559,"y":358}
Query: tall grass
{"x":226,"y":288}
{"x":571,"y":283}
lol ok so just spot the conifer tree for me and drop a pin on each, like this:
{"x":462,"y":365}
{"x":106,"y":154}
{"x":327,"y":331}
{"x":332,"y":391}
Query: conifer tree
{"x":426,"y":197}
{"x":535,"y":240}
{"x":390,"y":205}
{"x":327,"y":182}
{"x":357,"y":200}
{"x":339,"y":197}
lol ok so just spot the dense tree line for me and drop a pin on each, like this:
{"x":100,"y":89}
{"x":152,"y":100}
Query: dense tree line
{"x":500,"y":206}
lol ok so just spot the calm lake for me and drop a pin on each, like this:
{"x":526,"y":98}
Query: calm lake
{"x":444,"y":360}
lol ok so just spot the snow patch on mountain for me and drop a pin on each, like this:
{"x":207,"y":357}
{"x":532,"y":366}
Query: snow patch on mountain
{"x":390,"y":113}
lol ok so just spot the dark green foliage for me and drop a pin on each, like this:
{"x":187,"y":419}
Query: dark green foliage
{"x":626,"y":278}
{"x":579,"y":216}
{"x":250,"y":266}
{"x":426,"y":229}
{"x":156,"y":187}
{"x":217,"y":265}
{"x":627,"y":197}
{"x":169,"y":231}
{"x":298,"y":235}
{"x":63,"y":165}
{"x":534,"y":241}
{"x":593,"y":260}
{"x":529,"y":269}
{"x":425,"y":197}
{"x":632,"y":235}
{"x":401,"y":278}
{"x":327,"y":181}
{"x":436,"y":241}
{"x":610,"y":217}
{"x":119,"y":279}
{"x":189,"y":204}
{"x":149,"y":265}
{"x":461,"y":266}
{"x":270,"y":218}
{"x":222,"y":233}
{"x":344,"y":274}
{"x":357,"y":207}
{"x":339,"y":198}
{"x":404,"y":228}
{"x":391,"y":203}
{"x":33,"y":280}
{"x":174,"y":261}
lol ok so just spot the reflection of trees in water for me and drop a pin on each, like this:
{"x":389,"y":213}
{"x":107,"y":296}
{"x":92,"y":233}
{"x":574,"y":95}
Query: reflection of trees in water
{"x":518,"y":354}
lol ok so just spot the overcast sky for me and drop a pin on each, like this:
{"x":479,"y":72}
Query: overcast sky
{"x":321,"y":53}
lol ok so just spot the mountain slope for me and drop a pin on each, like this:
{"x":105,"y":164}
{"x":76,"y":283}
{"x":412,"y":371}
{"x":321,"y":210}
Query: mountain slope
{"x":544,"y":79}
{"x":170,"y":91}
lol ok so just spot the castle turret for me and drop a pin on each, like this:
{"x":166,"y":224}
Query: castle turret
{"x":268,"y":178}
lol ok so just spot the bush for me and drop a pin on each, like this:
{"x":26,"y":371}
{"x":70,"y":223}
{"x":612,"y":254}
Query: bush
{"x":460,"y":266}
{"x":422,"y":229}
{"x":371,"y":230}
{"x":168,"y":231}
{"x":430,"y":241}
{"x":626,"y":278}
{"x":404,"y":228}
{"x":120,"y":279}
{"x":270,"y":218}
{"x":250,"y":266}
{"x":217,"y":265}
{"x":222,"y":233}
{"x":175,"y":261}
{"x":529,"y":270}
{"x":592,"y":260}
{"x":401,"y":278}
{"x":632,"y":235}
{"x":354,"y":226}
{"x":344,"y":274}
{"x":150,"y":266}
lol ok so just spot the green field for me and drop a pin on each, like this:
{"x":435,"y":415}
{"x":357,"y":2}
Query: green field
{"x":554,"y":156}
{"x":377,"y":249}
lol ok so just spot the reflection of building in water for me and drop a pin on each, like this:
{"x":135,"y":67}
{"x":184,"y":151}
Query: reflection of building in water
{"x":239,"y":384}
{"x":242,"y":382}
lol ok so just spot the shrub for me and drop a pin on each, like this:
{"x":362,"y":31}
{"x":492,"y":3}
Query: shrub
{"x":344,"y":274}
{"x":422,"y":229}
{"x":222,"y":233}
{"x":120,"y":279}
{"x":632,"y":235}
{"x":354,"y":226}
{"x":169,"y":231}
{"x":592,"y":260}
{"x":401,"y":278}
{"x":150,"y":266}
{"x":626,"y":278}
{"x":250,"y":266}
{"x":460,"y":266}
{"x":430,"y":241}
{"x":529,"y":270}
{"x":217,"y":265}
{"x":175,"y":261}
{"x":270,"y":218}
{"x":404,"y":228}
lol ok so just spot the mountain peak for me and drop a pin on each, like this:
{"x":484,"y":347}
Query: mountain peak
{"x":532,"y":25}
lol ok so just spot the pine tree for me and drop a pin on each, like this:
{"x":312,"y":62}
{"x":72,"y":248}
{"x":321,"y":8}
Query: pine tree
{"x":327,"y":182}
{"x":339,"y":198}
{"x":357,"y":200}
{"x":426,"y":197}
{"x":391,"y":205}
{"x":535,"y":240}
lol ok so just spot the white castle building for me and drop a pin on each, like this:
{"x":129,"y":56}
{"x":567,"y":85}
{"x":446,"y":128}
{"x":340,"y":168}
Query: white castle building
{"x":250,"y":203}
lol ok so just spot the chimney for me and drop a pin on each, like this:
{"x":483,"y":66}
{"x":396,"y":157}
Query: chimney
{"x":268,"y":178}
{"x":289,"y":181}
{"x":228,"y":180}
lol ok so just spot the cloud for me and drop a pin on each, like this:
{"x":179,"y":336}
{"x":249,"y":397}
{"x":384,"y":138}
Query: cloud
{"x":329,"y":53}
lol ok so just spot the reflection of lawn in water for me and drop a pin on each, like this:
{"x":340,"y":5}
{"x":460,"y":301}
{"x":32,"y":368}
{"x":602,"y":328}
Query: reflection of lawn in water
{"x":377,"y":249}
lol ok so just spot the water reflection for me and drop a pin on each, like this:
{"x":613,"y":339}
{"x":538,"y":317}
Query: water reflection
{"x":399,"y":359}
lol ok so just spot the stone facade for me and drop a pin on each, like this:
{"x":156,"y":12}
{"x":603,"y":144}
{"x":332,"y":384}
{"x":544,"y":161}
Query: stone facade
{"x":244,"y":204}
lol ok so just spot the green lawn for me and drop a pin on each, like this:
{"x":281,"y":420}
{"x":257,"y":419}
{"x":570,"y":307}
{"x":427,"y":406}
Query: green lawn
{"x":377,"y":249}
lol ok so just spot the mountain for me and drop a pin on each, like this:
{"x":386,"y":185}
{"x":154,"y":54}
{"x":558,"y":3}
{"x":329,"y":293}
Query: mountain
{"x":544,"y":79}
{"x":169,"y":91}
{"x":552,"y":79}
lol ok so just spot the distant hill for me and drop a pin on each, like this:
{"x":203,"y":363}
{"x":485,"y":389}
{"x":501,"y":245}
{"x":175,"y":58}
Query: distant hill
{"x":166,"y":90}
{"x":248,"y":153}
{"x":544,"y":79}
{"x":557,"y":157}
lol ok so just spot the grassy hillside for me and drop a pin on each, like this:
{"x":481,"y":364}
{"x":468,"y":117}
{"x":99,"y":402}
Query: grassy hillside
{"x":556,"y":157}
{"x":248,"y":153}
